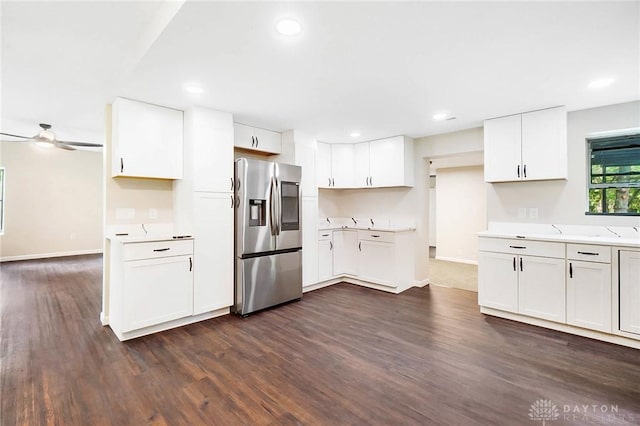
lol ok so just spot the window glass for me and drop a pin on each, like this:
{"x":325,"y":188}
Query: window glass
{"x":614,"y":175}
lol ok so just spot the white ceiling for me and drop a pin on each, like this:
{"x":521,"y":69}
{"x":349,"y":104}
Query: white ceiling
{"x":382,"y":68}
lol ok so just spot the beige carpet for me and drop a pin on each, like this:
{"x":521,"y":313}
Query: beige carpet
{"x":453,"y":274}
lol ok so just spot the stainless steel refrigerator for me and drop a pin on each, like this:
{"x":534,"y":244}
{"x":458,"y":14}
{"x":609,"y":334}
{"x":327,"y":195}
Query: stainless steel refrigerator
{"x":268,"y":231}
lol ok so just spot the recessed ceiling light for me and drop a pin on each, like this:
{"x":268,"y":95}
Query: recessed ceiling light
{"x":193,"y":89}
{"x":602,"y":82}
{"x":355,"y":134}
{"x":441,"y":116}
{"x":288,"y":27}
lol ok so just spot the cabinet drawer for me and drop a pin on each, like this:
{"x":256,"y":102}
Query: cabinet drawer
{"x":589,"y":253}
{"x":324,"y":235}
{"x":522,"y":246}
{"x":385,"y":237}
{"x":155,"y":249}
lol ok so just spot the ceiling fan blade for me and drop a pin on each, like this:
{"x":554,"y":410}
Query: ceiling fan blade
{"x":16,"y":136}
{"x":87,"y":144}
{"x":61,"y":145}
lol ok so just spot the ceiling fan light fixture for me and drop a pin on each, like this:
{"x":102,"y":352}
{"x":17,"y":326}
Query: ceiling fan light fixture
{"x":44,"y":143}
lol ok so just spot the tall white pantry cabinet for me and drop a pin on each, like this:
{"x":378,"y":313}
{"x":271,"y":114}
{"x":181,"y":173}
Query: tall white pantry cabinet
{"x":203,"y":203}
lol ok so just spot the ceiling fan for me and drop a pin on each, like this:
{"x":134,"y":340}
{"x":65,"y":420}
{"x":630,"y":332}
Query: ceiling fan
{"x":46,"y":138}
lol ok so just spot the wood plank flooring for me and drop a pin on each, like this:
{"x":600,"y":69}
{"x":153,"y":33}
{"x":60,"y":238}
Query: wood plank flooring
{"x":342,"y":355}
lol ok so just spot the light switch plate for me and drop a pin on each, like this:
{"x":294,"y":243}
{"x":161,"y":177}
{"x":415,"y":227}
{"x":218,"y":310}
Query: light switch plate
{"x":153,"y":213}
{"x":533,"y":213}
{"x":522,"y":212}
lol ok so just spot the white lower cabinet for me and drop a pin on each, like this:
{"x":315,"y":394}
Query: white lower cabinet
{"x":589,"y":287}
{"x":345,"y":252}
{"x":629,"y":270}
{"x":156,"y":291}
{"x":325,"y":255}
{"x":498,"y":281}
{"x":382,"y":260}
{"x":376,"y":262}
{"x":151,"y":283}
{"x":541,"y":288}
{"x":213,"y":245}
{"x":515,"y":276}
{"x":309,"y":241}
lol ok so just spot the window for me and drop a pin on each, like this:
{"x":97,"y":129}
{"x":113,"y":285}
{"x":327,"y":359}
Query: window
{"x":614,"y":175}
{"x":1,"y":200}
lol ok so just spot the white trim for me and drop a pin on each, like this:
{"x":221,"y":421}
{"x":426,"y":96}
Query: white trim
{"x":421,"y":283}
{"x":48,"y":255}
{"x":170,"y":324}
{"x":611,"y":338}
{"x":457,"y":260}
{"x":613,"y":133}
{"x":353,"y":280}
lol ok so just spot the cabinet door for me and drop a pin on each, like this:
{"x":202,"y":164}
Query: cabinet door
{"x":589,"y":295}
{"x":345,"y":255}
{"x":386,"y":162}
{"x":324,"y":165}
{"x":325,"y":260}
{"x":309,"y":241}
{"x":342,"y":169}
{"x":147,"y":140}
{"x":361,"y":164}
{"x":376,"y":262}
{"x":243,"y":136}
{"x":213,"y":251}
{"x":156,"y":291}
{"x":498,"y":281}
{"x":502,"y":149}
{"x":268,"y":141}
{"x":209,"y":137}
{"x":541,"y":288}
{"x":630,"y":291}
{"x":544,"y":144}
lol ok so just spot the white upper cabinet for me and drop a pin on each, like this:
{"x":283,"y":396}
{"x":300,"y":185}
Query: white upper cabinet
{"x":342,"y":173}
{"x":324,"y":165}
{"x":147,"y":140}
{"x":376,"y":164}
{"x":209,"y":149}
{"x":391,"y":162}
{"x":256,"y":139}
{"x":529,"y":146}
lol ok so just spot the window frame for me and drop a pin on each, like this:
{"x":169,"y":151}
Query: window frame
{"x":600,"y":137}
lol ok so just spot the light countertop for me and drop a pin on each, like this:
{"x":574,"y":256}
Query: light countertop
{"x":329,"y":227}
{"x":611,"y":240}
{"x":141,"y":238}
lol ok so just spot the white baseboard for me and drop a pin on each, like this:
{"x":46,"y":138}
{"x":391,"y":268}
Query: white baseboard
{"x":48,"y":255}
{"x":420,"y":283}
{"x":455,"y":259}
{"x":104,"y":319}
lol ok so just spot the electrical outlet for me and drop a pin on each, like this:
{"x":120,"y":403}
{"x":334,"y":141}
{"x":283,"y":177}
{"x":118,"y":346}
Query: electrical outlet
{"x":533,"y":213}
{"x":522,"y":212}
{"x":153,"y":213}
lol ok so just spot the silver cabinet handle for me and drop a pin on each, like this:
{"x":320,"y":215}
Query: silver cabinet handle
{"x":370,"y":180}
{"x":232,"y":201}
{"x":375,"y":236}
{"x":121,"y":165}
{"x":329,"y":182}
{"x":518,"y":170}
{"x":190,"y":264}
{"x":518,"y":247}
{"x":360,"y":245}
{"x":232,"y":184}
{"x":325,"y":235}
{"x":514,"y":263}
{"x":330,"y":245}
{"x":162,"y":249}
{"x":520,"y":264}
{"x":524,"y":170}
{"x":570,"y":270}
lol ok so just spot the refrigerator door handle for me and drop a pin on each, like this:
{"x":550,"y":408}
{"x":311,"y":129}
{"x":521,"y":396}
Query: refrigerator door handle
{"x":279,"y":204}
{"x":272,"y":206}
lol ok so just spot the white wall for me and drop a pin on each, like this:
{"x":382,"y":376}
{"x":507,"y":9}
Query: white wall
{"x":565,"y":201}
{"x":461,"y":209}
{"x":53,"y":201}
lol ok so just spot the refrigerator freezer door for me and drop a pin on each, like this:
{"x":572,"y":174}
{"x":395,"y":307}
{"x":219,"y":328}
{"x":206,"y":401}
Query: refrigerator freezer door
{"x":266,"y":281}
{"x":288,"y":206}
{"x":253,"y":180}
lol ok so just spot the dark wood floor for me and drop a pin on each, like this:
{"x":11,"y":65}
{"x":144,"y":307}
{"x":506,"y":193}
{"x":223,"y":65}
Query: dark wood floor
{"x":342,"y":355}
